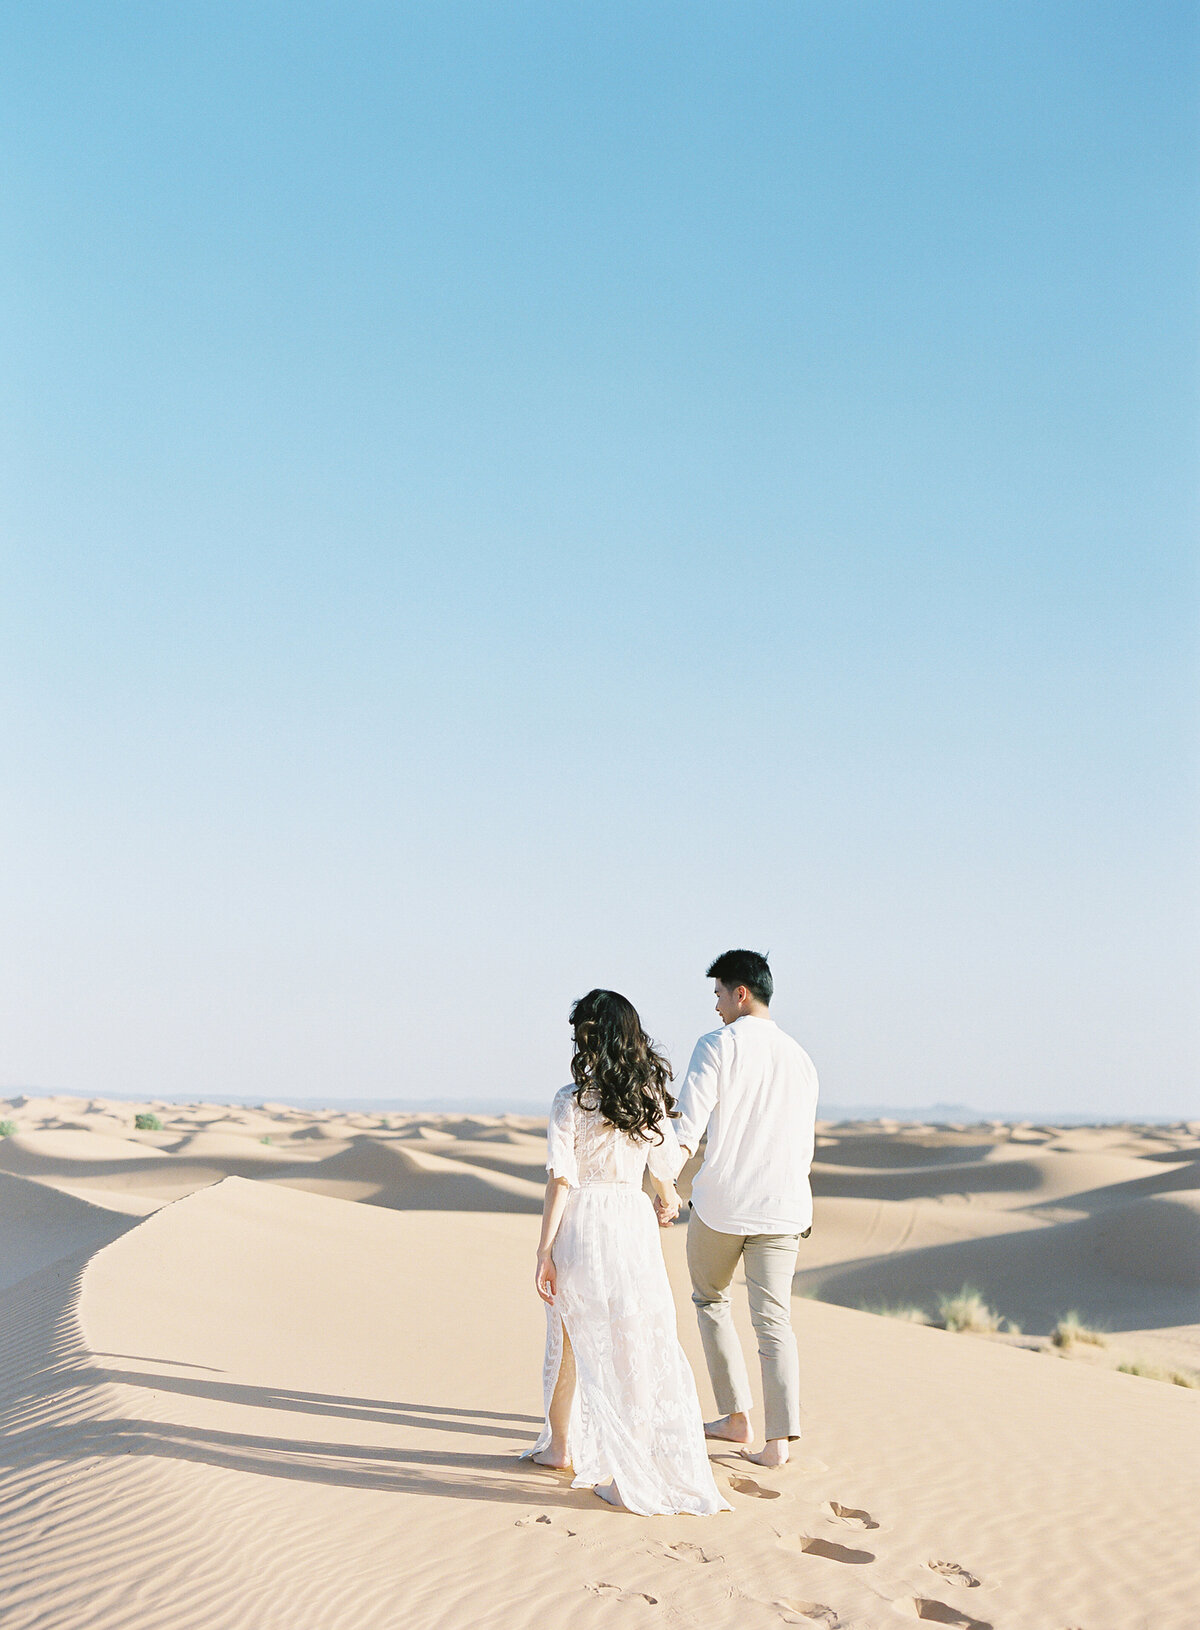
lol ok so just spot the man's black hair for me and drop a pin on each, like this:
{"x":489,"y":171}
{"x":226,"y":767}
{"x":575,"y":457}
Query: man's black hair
{"x":749,"y":968}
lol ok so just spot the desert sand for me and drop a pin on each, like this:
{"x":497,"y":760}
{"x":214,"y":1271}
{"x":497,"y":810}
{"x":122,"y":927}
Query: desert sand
{"x":272,"y":1369}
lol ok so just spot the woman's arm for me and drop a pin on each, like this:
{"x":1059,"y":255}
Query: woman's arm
{"x":664,"y":1161}
{"x":557,"y":1189}
{"x":667,"y":1201}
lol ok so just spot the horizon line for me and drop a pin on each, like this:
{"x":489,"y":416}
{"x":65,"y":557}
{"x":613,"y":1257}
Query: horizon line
{"x":937,"y":1113}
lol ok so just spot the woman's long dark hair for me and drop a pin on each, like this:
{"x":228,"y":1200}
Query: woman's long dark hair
{"x":616,"y":1068}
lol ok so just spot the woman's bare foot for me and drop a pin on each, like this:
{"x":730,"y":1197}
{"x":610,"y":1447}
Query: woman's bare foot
{"x":556,"y":1459}
{"x":609,"y":1493}
{"x":775,"y":1453}
{"x":730,"y":1429}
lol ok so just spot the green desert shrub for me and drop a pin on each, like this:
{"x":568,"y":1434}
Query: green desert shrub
{"x":147,"y":1123}
{"x":1071,"y":1328}
{"x":8,"y":1129}
{"x":967,"y":1311}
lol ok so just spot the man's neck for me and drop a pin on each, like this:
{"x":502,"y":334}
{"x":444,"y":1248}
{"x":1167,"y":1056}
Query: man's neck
{"x":754,"y":1010}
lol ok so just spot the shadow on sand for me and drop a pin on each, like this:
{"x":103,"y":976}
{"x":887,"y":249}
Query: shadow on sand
{"x":477,"y":1473}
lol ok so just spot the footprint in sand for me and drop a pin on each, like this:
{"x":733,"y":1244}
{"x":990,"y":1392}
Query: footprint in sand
{"x":622,"y":1595}
{"x":952,"y":1571}
{"x":934,"y":1612}
{"x":531,"y":1520}
{"x":811,"y":1613}
{"x":834,"y":1552}
{"x":747,"y":1485}
{"x":683,"y":1552}
{"x":854,"y":1518}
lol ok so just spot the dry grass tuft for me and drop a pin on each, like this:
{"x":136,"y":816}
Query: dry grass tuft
{"x":1071,"y":1329}
{"x":968,"y":1312}
{"x":1152,"y":1372}
{"x":905,"y":1311}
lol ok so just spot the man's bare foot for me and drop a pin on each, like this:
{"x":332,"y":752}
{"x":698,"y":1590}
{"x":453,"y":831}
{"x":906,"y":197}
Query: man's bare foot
{"x":730,"y":1429}
{"x":556,"y":1462}
{"x":774,"y":1454}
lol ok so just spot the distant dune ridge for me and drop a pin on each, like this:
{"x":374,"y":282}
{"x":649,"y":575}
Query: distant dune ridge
{"x":270,"y":1366}
{"x":940,"y":1115}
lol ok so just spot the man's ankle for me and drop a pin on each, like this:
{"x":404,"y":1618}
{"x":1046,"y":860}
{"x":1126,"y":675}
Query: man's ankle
{"x":775,"y":1452}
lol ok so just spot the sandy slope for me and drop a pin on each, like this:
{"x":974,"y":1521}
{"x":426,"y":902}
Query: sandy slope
{"x":256,"y":1405}
{"x":40,"y":1225}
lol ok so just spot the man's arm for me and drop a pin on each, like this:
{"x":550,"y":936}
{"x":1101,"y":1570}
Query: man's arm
{"x":698,"y":1095}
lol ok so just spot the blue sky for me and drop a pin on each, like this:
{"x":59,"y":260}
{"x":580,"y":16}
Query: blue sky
{"x":501,"y":499}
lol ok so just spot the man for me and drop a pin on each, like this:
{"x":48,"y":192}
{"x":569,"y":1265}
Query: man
{"x":755,"y":1091}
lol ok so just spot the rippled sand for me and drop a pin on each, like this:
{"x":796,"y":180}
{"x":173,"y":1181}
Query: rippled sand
{"x":272,"y":1369}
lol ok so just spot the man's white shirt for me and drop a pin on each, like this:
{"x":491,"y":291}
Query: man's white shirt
{"x":755,"y":1090}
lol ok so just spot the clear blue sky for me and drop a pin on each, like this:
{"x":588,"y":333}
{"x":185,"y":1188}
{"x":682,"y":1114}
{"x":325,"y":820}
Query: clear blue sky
{"x":501,"y":498}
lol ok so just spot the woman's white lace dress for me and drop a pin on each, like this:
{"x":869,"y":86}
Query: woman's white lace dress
{"x":635,"y":1417}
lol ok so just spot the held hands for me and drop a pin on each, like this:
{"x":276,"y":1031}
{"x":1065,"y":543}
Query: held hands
{"x":545,"y":1278}
{"x":666,"y":1208}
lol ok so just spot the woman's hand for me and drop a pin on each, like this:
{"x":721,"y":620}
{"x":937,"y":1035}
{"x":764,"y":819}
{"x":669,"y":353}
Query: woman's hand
{"x":667,"y":1206}
{"x":552,"y":1211}
{"x":545,"y":1278}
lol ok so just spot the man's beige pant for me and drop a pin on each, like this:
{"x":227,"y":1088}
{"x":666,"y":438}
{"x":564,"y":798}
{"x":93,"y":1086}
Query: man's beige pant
{"x":770,"y":1261}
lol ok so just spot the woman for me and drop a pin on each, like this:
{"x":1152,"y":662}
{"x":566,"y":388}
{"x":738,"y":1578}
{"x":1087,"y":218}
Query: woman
{"x":621,"y":1405}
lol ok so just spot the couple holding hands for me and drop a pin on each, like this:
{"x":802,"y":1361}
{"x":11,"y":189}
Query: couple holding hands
{"x":621,"y":1403}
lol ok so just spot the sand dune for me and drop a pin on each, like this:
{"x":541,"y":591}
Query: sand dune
{"x":77,"y":1151}
{"x":310,"y":1462}
{"x":1005,"y":1177}
{"x":848,"y":1229}
{"x":900,"y":1149}
{"x":1157,"y":1238}
{"x":385,"y":1173}
{"x":424,"y":1134}
{"x":263,"y":1384}
{"x":40,"y":1225}
{"x":1158,"y":1178}
{"x":231,"y":1154}
{"x":524,"y":1160}
{"x":514,"y":1135}
{"x":1032,"y":1275}
{"x":83,"y":1162}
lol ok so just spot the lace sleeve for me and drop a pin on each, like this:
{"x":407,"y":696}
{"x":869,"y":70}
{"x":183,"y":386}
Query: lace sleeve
{"x":560,"y":1138}
{"x":665,"y":1159}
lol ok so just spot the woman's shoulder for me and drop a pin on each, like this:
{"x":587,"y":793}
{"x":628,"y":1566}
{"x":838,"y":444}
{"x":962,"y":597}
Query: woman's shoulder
{"x":562,"y":1095}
